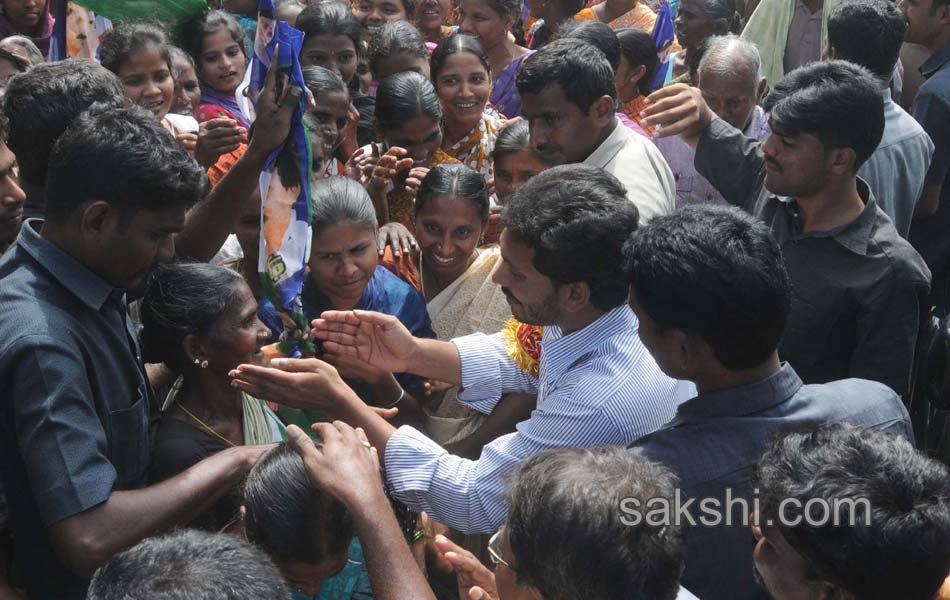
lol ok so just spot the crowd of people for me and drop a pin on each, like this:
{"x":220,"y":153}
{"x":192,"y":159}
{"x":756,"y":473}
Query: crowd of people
{"x":590,"y":314}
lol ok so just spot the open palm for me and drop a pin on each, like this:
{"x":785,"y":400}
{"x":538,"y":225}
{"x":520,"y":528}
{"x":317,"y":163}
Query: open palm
{"x":374,"y":338}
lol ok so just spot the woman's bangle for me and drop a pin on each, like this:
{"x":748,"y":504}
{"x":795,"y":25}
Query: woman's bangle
{"x":402,"y":394}
{"x":418,"y":535}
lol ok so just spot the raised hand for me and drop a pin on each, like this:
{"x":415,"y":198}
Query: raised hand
{"x":678,"y":109}
{"x":374,"y":338}
{"x":275,"y":110}
{"x":396,"y":235}
{"x":187,"y":142}
{"x":414,"y":179}
{"x":389,"y":165}
{"x":346,"y":467}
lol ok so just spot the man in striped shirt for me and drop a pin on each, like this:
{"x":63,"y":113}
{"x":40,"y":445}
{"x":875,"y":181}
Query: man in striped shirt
{"x":597,"y":385}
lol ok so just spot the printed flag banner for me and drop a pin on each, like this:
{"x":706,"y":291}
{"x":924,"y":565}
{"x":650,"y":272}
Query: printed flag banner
{"x":285,"y":188}
{"x":663,"y":36}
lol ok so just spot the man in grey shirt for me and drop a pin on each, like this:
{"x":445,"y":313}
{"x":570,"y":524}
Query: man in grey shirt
{"x":896,"y":171}
{"x":857,"y":286}
{"x":712,"y":297}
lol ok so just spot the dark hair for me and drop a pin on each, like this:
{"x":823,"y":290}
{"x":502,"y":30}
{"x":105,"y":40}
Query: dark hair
{"x":454,"y":45}
{"x":739,"y":295}
{"x":189,"y":565}
{"x":183,"y":299}
{"x":868,"y":33}
{"x":393,"y":38}
{"x":570,"y":7}
{"x":194,"y":32}
{"x":404,"y":96}
{"x":339,"y":199}
{"x":725,"y":12}
{"x":129,"y":38}
{"x":597,"y":34}
{"x":836,"y":101}
{"x":582,"y":71}
{"x":287,"y":516}
{"x":576,"y":218}
{"x":322,"y":81}
{"x":330,"y":18}
{"x":504,"y":8}
{"x":639,"y":48}
{"x":566,"y":533}
{"x":458,"y":180}
{"x":42,"y":102}
{"x":892,"y":541}
{"x":125,"y":157}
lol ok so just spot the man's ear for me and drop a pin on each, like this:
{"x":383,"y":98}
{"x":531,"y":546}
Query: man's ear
{"x":842,"y":161}
{"x":761,"y":90}
{"x":574,"y":297}
{"x":603,"y":109}
{"x":97,"y":220}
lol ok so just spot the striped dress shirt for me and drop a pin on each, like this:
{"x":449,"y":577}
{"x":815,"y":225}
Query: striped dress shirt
{"x":597,"y":386}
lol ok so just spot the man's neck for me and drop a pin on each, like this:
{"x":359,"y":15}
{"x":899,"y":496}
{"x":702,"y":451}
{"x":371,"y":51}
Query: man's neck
{"x":814,"y":5}
{"x":579,"y":320}
{"x":614,"y":123}
{"x":941,"y":41}
{"x":721,"y":378}
{"x":832,"y":207}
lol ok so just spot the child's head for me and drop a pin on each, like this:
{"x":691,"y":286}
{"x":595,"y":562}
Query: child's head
{"x":216,"y":43}
{"x":332,"y":38}
{"x":305,"y":531}
{"x":330,"y":112}
{"x":515,"y":160}
{"x":139,"y":55}
{"x":408,"y":115}
{"x":398,"y":47}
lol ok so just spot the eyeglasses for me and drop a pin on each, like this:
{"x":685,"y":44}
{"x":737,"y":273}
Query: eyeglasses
{"x":494,"y":550}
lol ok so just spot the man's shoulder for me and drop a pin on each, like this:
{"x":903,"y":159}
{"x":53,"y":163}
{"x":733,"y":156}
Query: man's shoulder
{"x":904,"y":262}
{"x":857,"y":401}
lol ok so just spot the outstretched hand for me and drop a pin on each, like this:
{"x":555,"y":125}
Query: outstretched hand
{"x":678,"y":109}
{"x":475,"y":580}
{"x":375,"y":338}
{"x":305,"y":383}
{"x":346,"y":467}
{"x":275,"y":109}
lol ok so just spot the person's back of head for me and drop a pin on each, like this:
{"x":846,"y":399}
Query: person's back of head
{"x":639,"y":48}
{"x":122,"y":156}
{"x":41,"y":103}
{"x":579,"y":68}
{"x":852,"y":512}
{"x":394,"y":39}
{"x":289,"y":518}
{"x":576,"y":219}
{"x":189,"y":565}
{"x":739,"y":294}
{"x":838,"y":102}
{"x":597,"y":34}
{"x":868,"y":33}
{"x":567,"y":533}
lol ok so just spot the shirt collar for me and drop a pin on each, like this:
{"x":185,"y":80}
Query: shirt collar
{"x":71,"y":274}
{"x":742,"y":400}
{"x":938,"y":60}
{"x":609,"y":148}
{"x":560,"y":352}
{"x":856,"y":235}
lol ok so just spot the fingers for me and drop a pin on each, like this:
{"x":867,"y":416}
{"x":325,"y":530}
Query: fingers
{"x":302,"y":444}
{"x":337,"y":316}
{"x":387,"y":413}
{"x":403,"y":164}
{"x":665,"y":92}
{"x":299,"y":365}
{"x":338,"y":348}
{"x":396,"y":152}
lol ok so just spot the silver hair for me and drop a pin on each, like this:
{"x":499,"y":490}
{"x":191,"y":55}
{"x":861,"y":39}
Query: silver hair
{"x":727,"y":53}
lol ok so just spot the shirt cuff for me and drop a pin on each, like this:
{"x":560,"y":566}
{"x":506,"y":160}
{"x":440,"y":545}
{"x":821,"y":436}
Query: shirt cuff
{"x":410,"y":461}
{"x":481,"y":368}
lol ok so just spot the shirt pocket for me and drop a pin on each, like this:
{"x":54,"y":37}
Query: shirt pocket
{"x":129,"y":443}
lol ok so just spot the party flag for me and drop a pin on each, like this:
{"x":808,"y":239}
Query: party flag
{"x":663,"y":36}
{"x":285,"y":187}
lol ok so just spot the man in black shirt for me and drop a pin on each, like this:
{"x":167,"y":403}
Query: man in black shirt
{"x":857,"y":286}
{"x":76,"y":408}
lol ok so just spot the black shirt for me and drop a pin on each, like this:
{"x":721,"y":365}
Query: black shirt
{"x":857,"y":290}
{"x":75,"y":407}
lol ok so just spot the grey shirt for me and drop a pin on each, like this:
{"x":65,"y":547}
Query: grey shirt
{"x":75,"y":407}
{"x":857,"y":290}
{"x":714,"y":442}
